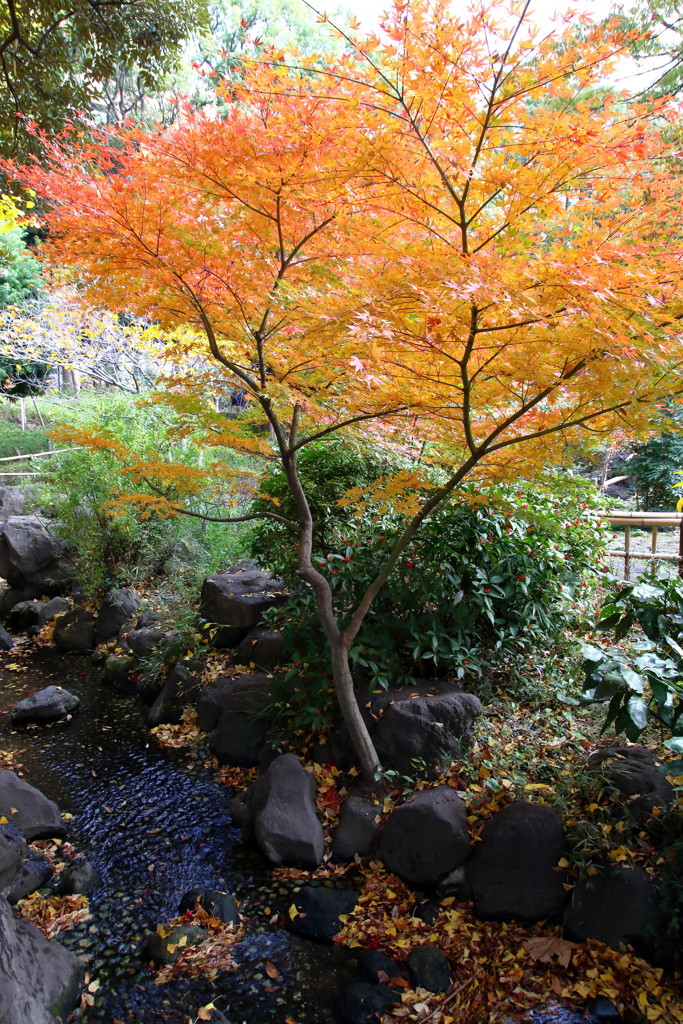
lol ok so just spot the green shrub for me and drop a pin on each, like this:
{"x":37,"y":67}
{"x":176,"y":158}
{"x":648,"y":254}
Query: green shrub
{"x":481,"y":576}
{"x":116,"y":543}
{"x":655,"y":469}
{"x":641,"y":681}
{"x":327,"y":469}
{"x":20,"y":272}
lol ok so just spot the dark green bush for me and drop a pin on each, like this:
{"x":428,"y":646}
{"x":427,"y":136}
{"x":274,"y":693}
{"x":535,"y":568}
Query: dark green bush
{"x":327,"y":470}
{"x":482,"y":576}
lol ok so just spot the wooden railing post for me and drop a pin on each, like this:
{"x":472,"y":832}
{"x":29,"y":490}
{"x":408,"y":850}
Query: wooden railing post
{"x":654,"y":520}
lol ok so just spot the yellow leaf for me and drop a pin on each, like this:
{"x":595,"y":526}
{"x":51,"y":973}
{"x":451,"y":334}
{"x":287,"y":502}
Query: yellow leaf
{"x":293,"y":912}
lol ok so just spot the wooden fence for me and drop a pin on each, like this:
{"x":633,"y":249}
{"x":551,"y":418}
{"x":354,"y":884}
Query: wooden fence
{"x":653,"y":520}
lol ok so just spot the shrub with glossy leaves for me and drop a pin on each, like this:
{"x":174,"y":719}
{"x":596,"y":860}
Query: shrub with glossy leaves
{"x":487,"y":573}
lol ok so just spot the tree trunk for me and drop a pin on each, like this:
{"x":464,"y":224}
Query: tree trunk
{"x":343,"y":684}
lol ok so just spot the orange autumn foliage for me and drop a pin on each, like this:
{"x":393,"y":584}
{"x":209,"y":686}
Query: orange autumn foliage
{"x":449,"y":233}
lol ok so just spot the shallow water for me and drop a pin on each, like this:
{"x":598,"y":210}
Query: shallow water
{"x":155,"y":823}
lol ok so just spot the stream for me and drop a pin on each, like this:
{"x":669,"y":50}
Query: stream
{"x":155,"y":823}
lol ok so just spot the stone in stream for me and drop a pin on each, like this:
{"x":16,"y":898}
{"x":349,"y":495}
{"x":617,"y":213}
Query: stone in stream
{"x":6,"y":641}
{"x":428,"y":968}
{"x":319,"y":910}
{"x":13,"y":851}
{"x":118,"y":671}
{"x":167,"y":943}
{"x":250,"y":693}
{"x":217,"y":904}
{"x":143,"y":641}
{"x":51,"y":704}
{"x":39,"y":980}
{"x":118,"y":607}
{"x":426,"y":837}
{"x":33,"y":874}
{"x":25,"y":806}
{"x":362,"y":1003}
{"x":182,"y":688}
{"x":374,"y":966}
{"x":75,"y":632}
{"x":78,"y":877}
{"x":513,"y":870}
{"x":279,"y":812}
{"x":27,"y":615}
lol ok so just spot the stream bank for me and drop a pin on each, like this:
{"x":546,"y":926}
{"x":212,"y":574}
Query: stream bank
{"x":155,"y":823}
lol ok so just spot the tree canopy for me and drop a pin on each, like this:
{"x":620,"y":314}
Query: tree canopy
{"x":441,"y":233}
{"x":53,"y":56}
{"x":657,"y":42}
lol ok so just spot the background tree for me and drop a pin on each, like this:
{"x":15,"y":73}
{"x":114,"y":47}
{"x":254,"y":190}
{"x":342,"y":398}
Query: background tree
{"x":396,"y":242}
{"x":53,"y":56}
{"x":657,"y":43}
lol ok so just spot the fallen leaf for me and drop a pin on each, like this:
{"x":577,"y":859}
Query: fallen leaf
{"x":550,"y":949}
{"x":271,"y":970}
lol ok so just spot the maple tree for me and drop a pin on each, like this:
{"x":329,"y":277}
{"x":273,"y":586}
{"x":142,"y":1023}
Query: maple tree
{"x":444,"y":235}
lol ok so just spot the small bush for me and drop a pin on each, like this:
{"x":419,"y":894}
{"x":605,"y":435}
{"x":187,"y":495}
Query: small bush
{"x":481,"y":577}
{"x":116,"y":543}
{"x":20,"y":272}
{"x":327,"y":469}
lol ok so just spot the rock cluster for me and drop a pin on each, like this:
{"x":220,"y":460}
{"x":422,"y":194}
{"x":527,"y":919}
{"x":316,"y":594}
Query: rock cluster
{"x":39,"y":980}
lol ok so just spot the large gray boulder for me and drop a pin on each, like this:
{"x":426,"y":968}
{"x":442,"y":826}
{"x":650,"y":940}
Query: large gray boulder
{"x":13,"y":852}
{"x":619,"y":905}
{"x":238,"y":739}
{"x":39,"y":980}
{"x":426,"y":837}
{"x":513,"y":871}
{"x":232,"y":711}
{"x":426,"y":730}
{"x":26,"y":807}
{"x":142,"y":642}
{"x":51,"y":704}
{"x":118,"y":607}
{"x":232,"y":603}
{"x":34,"y":872}
{"x":319,"y":912}
{"x":181,"y":689}
{"x":279,"y":812}
{"x":31,"y":555}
